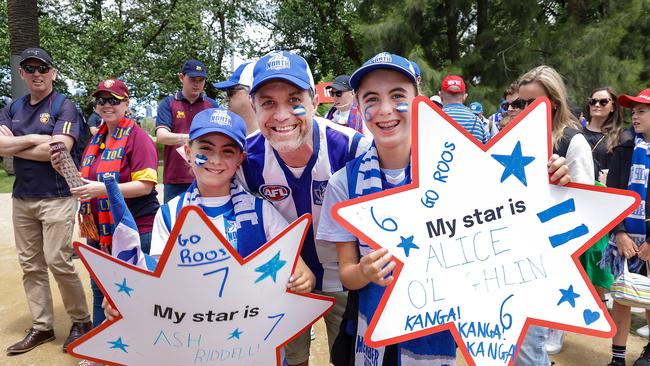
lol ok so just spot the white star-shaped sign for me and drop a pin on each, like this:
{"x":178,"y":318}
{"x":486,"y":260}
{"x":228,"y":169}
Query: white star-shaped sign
{"x":204,"y":303}
{"x":485,"y":245}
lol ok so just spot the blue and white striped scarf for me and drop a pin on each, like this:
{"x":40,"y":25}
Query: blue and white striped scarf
{"x":634,"y":222}
{"x":439,"y":349}
{"x":247,"y":213}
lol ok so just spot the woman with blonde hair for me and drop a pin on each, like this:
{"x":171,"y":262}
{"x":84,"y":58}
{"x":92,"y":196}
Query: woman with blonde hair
{"x":568,"y":142}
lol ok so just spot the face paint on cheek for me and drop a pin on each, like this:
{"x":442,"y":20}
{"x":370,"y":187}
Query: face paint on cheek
{"x":200,"y":159}
{"x":367,"y":113}
{"x":299,"y":111}
{"x":402,"y":107}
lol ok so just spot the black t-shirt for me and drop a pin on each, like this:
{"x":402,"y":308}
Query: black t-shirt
{"x":37,"y":179}
{"x":600,"y":141}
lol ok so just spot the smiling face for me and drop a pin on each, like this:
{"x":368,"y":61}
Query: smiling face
{"x":284,"y":113}
{"x":37,"y":83}
{"x":111,"y":114}
{"x":214,"y":159}
{"x":385,"y":98}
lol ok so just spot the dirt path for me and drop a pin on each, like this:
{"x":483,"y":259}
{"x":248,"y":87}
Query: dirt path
{"x":578,"y":350}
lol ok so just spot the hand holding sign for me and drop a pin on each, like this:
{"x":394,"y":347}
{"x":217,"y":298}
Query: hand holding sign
{"x":485,"y":245}
{"x":211,"y":309}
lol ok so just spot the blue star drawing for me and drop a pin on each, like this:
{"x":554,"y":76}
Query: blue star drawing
{"x":119,"y":344}
{"x":568,"y":296}
{"x":407,"y":244}
{"x":270,"y":268}
{"x":514,"y":164}
{"x":122,"y":287}
{"x":235,"y":334}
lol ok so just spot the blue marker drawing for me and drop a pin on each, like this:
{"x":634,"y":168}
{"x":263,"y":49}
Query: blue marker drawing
{"x":279,"y":316}
{"x":200,"y":159}
{"x":514,"y":164}
{"x":590,"y":316}
{"x":299,"y":111}
{"x":383,"y":222}
{"x":270,"y":268}
{"x":569,"y":296}
{"x":122,"y":287}
{"x":225,"y":277}
{"x":563,"y":238}
{"x":560,"y":209}
{"x":366,"y":113}
{"x":402,"y":107}
{"x":407,"y":244}
{"x":235,"y":334}
{"x":118,"y":344}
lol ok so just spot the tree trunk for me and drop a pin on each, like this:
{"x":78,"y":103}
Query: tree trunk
{"x":452,"y":30}
{"x":22,"y":17}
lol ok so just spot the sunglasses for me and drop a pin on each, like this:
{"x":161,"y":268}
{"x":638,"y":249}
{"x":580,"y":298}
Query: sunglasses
{"x":602,"y":102}
{"x":232,"y":91}
{"x":111,"y":101}
{"x":337,"y":93}
{"x":42,"y":69}
{"x":517,"y":104}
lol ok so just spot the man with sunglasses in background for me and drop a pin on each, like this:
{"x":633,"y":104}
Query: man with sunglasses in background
{"x":237,"y":98}
{"x":344,"y":109}
{"x":175,"y":114}
{"x":43,"y":208}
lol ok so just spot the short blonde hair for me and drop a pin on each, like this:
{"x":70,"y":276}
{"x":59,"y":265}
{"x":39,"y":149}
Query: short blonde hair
{"x":555,"y":89}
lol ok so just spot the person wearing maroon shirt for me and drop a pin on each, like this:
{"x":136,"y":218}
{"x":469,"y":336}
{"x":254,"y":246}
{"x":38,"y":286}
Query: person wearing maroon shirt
{"x":43,"y":210}
{"x":123,"y":149}
{"x":175,"y":114}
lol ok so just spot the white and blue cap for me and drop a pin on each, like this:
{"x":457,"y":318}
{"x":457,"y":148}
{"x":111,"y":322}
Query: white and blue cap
{"x":384,"y":60}
{"x":282,"y":65}
{"x":243,"y":75}
{"x":476,"y":107}
{"x":219,"y":120}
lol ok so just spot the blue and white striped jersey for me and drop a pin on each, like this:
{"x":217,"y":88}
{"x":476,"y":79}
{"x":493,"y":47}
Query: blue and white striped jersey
{"x":264,"y":173}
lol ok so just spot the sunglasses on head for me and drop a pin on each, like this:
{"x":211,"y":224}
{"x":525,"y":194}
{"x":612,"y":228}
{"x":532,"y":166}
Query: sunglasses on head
{"x":111,"y":101}
{"x":595,"y":101}
{"x":42,"y":69}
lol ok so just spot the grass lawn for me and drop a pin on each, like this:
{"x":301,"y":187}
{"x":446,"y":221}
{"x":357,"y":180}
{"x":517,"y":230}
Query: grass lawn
{"x":6,"y":182}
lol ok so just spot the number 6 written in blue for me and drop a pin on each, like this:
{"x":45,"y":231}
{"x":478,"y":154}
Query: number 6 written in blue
{"x":384,"y":222}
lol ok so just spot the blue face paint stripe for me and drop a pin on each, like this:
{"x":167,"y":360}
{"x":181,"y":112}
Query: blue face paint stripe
{"x":299,"y":110}
{"x":200,"y":159}
{"x":402,"y":107}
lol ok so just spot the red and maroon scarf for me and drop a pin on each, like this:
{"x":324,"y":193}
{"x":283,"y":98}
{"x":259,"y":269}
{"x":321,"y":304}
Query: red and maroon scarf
{"x":107,"y":156}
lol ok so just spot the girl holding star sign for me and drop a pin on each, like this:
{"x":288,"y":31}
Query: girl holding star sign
{"x":385,"y":87}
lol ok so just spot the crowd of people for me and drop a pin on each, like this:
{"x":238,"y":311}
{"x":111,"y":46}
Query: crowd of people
{"x":223,"y":159}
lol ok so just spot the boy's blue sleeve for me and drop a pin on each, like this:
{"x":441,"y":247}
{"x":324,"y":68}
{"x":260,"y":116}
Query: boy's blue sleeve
{"x":164,"y":115}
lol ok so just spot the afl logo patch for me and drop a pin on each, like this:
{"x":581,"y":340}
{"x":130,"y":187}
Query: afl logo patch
{"x":44,"y":118}
{"x":274,"y":192}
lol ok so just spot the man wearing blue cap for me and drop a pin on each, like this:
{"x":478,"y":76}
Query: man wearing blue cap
{"x":289,"y":162}
{"x":237,"y":89}
{"x":490,"y":126}
{"x":175,"y":114}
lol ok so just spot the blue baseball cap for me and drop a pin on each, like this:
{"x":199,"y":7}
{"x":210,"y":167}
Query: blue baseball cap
{"x":384,"y":60}
{"x":194,"y":68}
{"x":282,"y":65}
{"x":416,"y":69}
{"x":243,"y":75}
{"x":221,"y":121}
{"x":476,"y":107}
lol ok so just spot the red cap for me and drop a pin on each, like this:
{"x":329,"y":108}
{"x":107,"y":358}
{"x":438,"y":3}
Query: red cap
{"x":453,"y":84}
{"x":643,"y":97}
{"x":114,"y":86}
